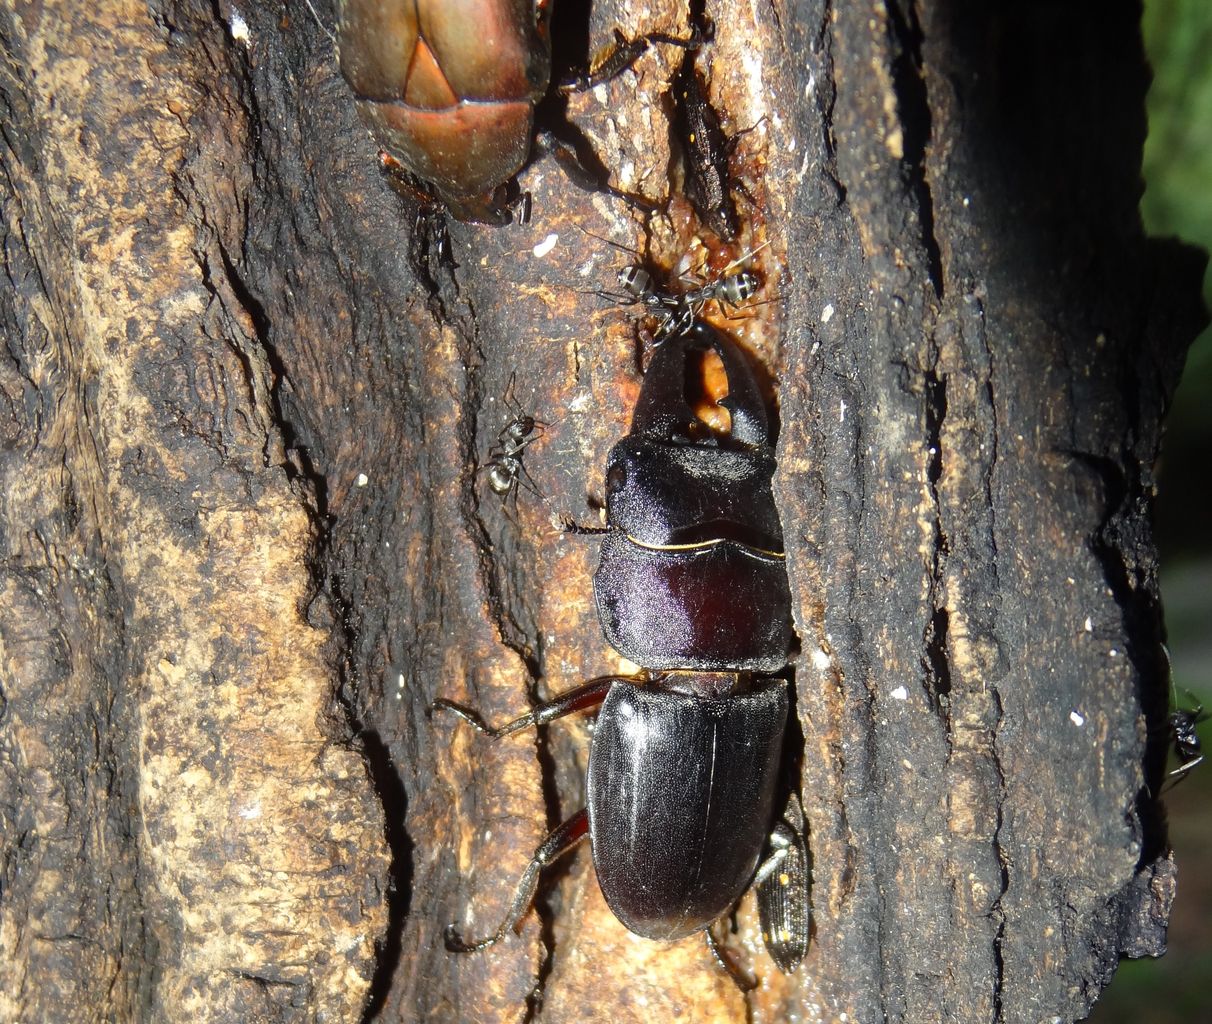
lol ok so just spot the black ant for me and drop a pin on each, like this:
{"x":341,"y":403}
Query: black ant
{"x":504,"y":464}
{"x":675,"y":312}
{"x":1184,"y":734}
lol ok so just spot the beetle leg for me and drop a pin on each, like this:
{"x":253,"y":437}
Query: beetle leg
{"x":559,"y":842}
{"x":583,"y":177}
{"x":622,"y":54}
{"x":742,"y":979}
{"x":581,"y":698}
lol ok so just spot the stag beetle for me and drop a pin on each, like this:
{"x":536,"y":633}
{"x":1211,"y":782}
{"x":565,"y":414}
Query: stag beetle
{"x":684,"y":767}
{"x":448,"y":88}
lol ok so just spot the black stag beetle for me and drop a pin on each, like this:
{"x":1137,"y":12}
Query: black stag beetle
{"x":448,"y":88}
{"x":684,"y":768}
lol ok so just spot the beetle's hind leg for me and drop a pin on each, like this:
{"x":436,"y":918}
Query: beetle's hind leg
{"x":621,"y":55}
{"x":558,"y":843}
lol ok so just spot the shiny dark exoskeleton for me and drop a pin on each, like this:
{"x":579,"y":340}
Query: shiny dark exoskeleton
{"x":505,"y":469}
{"x":684,"y":768}
{"x":729,"y":291}
{"x":504,"y":464}
{"x":675,"y":312}
{"x":1184,"y":733}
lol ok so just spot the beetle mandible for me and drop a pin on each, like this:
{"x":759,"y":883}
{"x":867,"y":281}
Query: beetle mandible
{"x":691,"y":585}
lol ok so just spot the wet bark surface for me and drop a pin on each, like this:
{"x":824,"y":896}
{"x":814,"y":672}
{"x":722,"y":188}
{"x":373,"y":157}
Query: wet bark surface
{"x":247,"y":537}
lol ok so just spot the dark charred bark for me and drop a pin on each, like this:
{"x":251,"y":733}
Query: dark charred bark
{"x":246,"y":541}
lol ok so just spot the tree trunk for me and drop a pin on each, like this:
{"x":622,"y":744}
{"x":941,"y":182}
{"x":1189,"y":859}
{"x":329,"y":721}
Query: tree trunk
{"x":247,"y":538}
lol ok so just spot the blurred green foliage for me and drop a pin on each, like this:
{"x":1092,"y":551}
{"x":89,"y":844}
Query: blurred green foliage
{"x":1178,"y":155}
{"x":1178,"y":151}
{"x":1178,"y":202}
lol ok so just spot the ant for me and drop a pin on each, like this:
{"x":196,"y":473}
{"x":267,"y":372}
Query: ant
{"x":1185,"y":736}
{"x":675,"y":312}
{"x":504,"y":464}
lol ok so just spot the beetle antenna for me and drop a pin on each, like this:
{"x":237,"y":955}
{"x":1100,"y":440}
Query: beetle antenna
{"x":565,"y":524}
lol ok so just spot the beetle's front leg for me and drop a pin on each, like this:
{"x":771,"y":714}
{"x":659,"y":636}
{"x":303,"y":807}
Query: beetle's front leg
{"x":581,"y":698}
{"x":558,"y":843}
{"x":579,"y":170}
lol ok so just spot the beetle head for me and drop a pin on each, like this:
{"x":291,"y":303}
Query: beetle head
{"x":671,"y":481}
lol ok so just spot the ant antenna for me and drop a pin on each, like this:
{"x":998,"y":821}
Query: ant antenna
{"x":745,"y":256}
{"x":617,"y":245}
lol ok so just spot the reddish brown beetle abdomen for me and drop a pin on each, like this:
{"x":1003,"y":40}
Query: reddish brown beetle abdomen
{"x":448,"y":87}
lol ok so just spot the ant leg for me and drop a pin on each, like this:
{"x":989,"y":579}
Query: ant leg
{"x":584,"y":177}
{"x":581,"y":698}
{"x":560,"y":841}
{"x":1180,"y":773}
{"x":527,"y":481}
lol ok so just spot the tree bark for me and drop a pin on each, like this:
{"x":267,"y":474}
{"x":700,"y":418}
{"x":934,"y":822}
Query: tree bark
{"x":247,"y":538}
